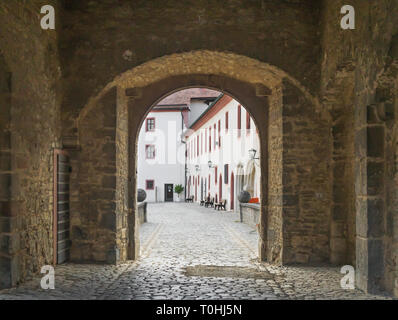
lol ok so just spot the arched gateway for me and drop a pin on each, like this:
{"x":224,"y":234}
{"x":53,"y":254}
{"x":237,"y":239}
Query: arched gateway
{"x":281,"y":109}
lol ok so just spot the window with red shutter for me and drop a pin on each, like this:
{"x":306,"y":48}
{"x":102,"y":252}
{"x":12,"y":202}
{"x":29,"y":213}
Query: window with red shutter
{"x":215,"y":137}
{"x":239,"y":119}
{"x":226,"y":121}
{"x":219,"y":133}
{"x":210,"y":139}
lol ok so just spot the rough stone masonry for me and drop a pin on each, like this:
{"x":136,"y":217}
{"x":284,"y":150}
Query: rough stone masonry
{"x":324,"y":100}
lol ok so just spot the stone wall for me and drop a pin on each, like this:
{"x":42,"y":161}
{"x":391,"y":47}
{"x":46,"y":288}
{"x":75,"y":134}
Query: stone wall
{"x":339,"y":101}
{"x":306,"y":179}
{"x":94,"y":216}
{"x":383,"y":170}
{"x":332,"y":165}
{"x":122,"y":167}
{"x":276,"y":178}
{"x":250,"y":214}
{"x":29,"y":131}
{"x":101,"y":40}
{"x":366,"y":48}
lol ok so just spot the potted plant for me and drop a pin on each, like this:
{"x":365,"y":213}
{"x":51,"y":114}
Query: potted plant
{"x":178,"y":189}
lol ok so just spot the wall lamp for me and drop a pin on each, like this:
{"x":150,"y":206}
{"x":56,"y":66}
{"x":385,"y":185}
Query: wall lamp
{"x":210,"y":164}
{"x":252,"y":154}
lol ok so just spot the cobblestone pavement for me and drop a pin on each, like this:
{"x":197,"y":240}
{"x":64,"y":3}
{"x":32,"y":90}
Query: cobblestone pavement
{"x":180,"y":235}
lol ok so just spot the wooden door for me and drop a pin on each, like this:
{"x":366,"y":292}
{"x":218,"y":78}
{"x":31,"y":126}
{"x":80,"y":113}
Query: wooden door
{"x":168,"y":193}
{"x":62,"y":242}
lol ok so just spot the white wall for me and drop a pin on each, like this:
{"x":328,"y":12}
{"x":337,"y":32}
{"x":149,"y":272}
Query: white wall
{"x":168,"y":167}
{"x":234,"y":151}
{"x":197,"y":108}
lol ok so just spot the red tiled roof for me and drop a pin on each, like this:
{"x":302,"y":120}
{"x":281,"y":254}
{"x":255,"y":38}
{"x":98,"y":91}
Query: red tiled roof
{"x":185,"y":96}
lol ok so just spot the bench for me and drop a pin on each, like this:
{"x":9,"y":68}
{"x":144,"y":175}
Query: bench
{"x":221,"y":205}
{"x":209,"y":202}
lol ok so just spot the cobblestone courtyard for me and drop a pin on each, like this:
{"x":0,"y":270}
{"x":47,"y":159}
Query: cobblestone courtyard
{"x":180,"y":235}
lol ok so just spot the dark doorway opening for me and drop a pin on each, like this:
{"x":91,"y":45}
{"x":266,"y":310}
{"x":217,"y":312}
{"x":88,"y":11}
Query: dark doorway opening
{"x":168,"y":193}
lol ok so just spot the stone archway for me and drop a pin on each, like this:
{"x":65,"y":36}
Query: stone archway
{"x":273,"y":99}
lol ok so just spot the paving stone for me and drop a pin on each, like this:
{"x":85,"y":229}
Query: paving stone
{"x":190,"y":235}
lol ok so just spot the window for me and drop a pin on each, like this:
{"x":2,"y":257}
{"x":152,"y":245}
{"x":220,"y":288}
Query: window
{"x":215,"y":175}
{"x":210,"y":139}
{"x":197,"y":145}
{"x":248,"y":122}
{"x":150,"y":151}
{"x":239,"y":119}
{"x":150,"y":184}
{"x":206,"y":141}
{"x":150,"y":124}
{"x":226,"y":169}
{"x":215,"y":137}
{"x":201,"y":143}
{"x":219,"y":133}
{"x":226,"y":121}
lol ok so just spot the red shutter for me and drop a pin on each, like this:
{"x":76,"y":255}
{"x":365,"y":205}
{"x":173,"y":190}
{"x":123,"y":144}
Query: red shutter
{"x":239,"y":119}
{"x":210,"y":139}
{"x":215,"y":136}
{"x":206,"y":141}
{"x":219,"y":133}
{"x":226,"y":121}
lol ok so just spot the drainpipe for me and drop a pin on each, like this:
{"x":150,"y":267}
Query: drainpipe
{"x":185,"y":155}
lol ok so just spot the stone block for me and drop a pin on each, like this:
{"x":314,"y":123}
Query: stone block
{"x":375,"y":141}
{"x":79,"y":233}
{"x":369,"y":264}
{"x":375,"y":175}
{"x":290,"y":200}
{"x":5,"y":161}
{"x":109,"y":182}
{"x":361,"y":143}
{"x":109,"y":150}
{"x":361,"y":218}
{"x":5,"y":185}
{"x":375,"y":212}
{"x":108,"y":221}
{"x":340,"y":212}
{"x":5,"y":272}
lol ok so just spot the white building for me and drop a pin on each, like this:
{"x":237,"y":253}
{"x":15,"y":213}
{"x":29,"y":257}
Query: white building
{"x":161,"y":152}
{"x":222,"y":147}
{"x":202,"y":140}
{"x":161,"y":147}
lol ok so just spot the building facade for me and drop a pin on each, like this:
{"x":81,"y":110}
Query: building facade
{"x":161,"y":144}
{"x":161,"y":153}
{"x":222,"y":154}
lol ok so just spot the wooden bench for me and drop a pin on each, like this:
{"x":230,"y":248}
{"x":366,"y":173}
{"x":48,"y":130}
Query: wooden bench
{"x":221,"y":205}
{"x":209,"y":202}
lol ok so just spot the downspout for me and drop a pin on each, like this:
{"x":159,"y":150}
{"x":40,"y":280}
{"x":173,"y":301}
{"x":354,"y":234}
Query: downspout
{"x":185,"y":153}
